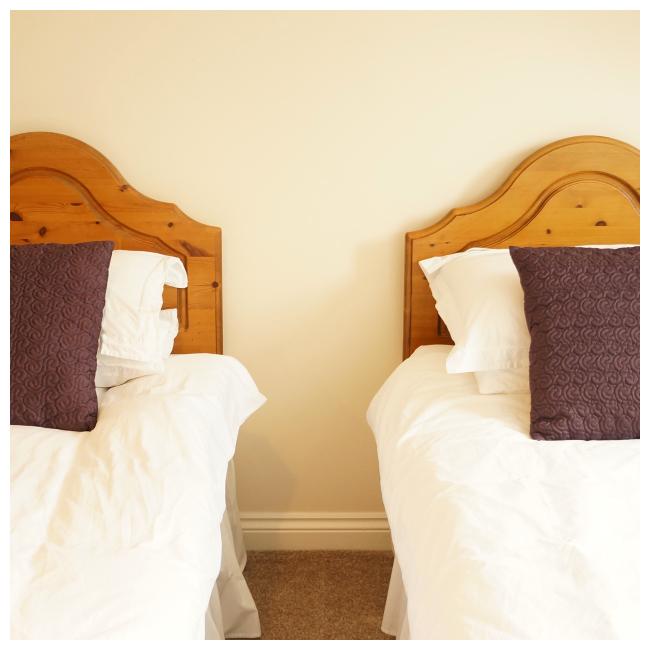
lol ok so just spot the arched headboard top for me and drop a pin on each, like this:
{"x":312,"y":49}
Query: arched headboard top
{"x":64,"y":191}
{"x":580,"y":190}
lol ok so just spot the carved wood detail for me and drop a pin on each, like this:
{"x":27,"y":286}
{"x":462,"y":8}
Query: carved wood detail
{"x":580,"y":190}
{"x":63,"y":190}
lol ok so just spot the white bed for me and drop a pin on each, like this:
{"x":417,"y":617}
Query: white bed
{"x":117,"y":533}
{"x":496,"y":535}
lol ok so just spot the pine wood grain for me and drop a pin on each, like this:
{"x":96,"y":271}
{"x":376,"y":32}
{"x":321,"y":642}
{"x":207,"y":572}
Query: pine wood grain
{"x":580,"y":190}
{"x":64,"y":191}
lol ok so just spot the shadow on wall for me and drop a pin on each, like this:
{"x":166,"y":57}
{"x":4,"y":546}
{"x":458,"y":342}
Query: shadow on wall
{"x":346,"y":371}
{"x":280,"y":479}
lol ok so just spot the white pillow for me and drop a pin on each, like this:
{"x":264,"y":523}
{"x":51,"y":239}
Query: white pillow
{"x":136,"y":336}
{"x":113,"y":371}
{"x":491,"y":382}
{"x":479,"y":296}
{"x":133,"y":302}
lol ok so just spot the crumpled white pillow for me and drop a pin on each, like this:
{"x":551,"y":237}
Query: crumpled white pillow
{"x":480,"y":299}
{"x":113,"y":371}
{"x":137,"y":335}
{"x":513,"y":380}
{"x":479,"y":296}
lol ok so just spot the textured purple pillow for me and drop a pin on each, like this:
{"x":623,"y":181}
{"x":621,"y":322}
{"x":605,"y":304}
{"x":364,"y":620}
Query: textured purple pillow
{"x":582,"y":310}
{"x":57,"y":300}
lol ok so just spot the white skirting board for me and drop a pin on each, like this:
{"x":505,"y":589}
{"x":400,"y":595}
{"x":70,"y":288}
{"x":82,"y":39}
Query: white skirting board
{"x":292,"y":531}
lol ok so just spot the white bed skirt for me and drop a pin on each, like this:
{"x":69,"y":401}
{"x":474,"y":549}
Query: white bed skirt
{"x":232,"y":613}
{"x":395,"y":621}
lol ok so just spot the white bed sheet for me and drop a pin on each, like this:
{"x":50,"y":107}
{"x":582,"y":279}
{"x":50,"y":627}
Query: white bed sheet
{"x":115,"y":533}
{"x":497,"y":535}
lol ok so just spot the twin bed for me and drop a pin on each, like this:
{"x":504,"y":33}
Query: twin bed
{"x":131,"y":530}
{"x":497,"y":535}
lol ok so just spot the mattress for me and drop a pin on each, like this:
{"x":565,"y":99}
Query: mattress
{"x":115,"y":533}
{"x":496,"y":535}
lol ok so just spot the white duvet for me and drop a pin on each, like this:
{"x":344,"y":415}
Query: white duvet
{"x":497,"y":535}
{"x":115,"y":532}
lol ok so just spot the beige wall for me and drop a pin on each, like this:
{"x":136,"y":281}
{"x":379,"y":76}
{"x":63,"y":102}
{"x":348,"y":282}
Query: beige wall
{"x":316,"y":140}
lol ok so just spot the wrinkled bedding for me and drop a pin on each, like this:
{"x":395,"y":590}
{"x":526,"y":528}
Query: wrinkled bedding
{"x":115,"y":532}
{"x":499,"y":536}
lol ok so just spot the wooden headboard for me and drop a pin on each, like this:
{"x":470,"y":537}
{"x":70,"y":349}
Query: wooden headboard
{"x":581,"y":190}
{"x":64,"y":191}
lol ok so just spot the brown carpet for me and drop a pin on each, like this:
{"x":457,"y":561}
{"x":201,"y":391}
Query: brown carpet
{"x":319,"y":594}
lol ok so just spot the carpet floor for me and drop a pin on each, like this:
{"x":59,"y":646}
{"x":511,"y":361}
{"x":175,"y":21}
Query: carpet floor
{"x":319,"y":594}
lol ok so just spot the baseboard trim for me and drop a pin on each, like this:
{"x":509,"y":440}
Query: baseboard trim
{"x":274,"y":531}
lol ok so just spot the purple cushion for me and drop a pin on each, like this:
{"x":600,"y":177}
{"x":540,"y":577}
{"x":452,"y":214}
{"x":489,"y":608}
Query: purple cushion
{"x":57,"y":300}
{"x":582,"y":310}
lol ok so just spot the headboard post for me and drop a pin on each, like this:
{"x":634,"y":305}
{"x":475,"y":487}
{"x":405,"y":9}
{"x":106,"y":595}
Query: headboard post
{"x":580,"y":190}
{"x":64,"y":191}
